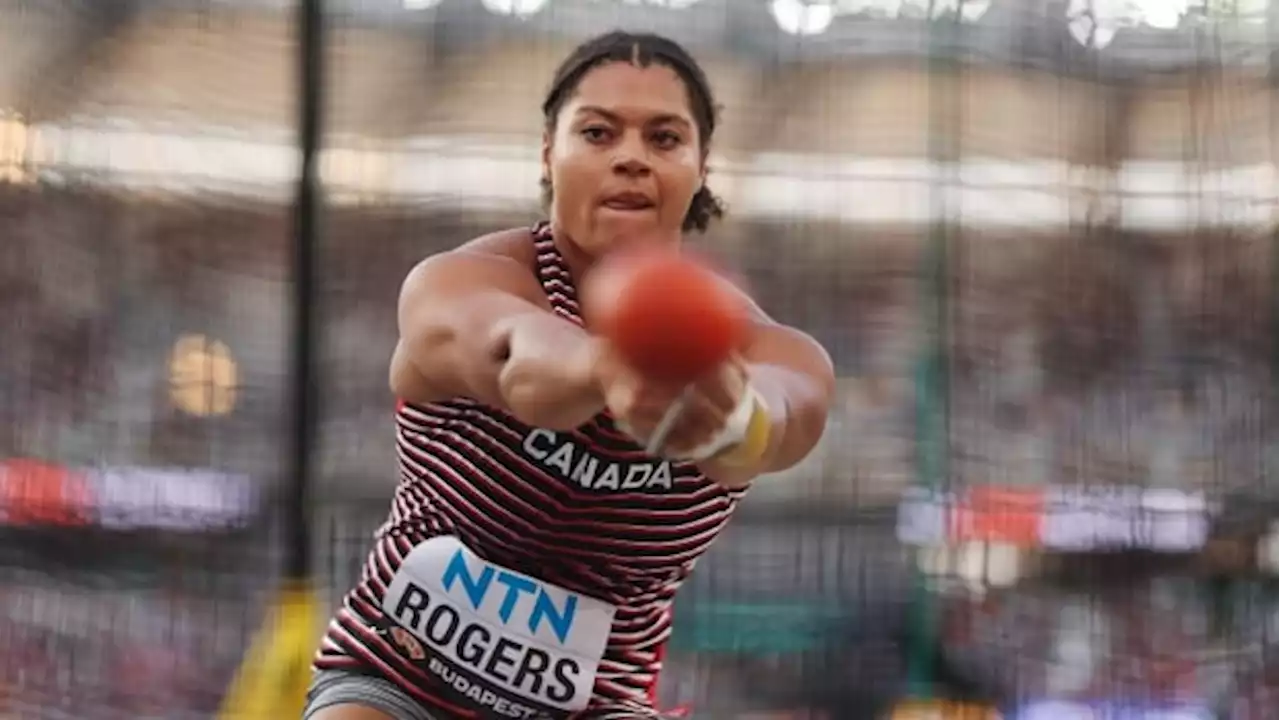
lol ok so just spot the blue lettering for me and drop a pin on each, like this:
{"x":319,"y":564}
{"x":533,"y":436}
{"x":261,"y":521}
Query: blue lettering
{"x":515,"y":587}
{"x":476,"y":588}
{"x":561,"y":621}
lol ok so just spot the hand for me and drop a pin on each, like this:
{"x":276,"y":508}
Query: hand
{"x":638,"y":404}
{"x":548,"y":377}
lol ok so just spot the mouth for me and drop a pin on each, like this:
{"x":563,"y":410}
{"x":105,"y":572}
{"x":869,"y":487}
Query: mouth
{"x":628,"y":202}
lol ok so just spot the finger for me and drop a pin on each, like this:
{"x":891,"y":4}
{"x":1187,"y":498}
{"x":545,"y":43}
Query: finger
{"x":707,"y":414}
{"x":649,"y":394}
{"x":642,"y":418}
{"x":621,"y":396}
{"x":724,"y":386}
{"x":652,"y":401}
{"x":638,"y":412}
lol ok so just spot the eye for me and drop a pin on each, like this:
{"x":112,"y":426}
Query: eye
{"x":667,"y":139}
{"x":596,"y":134}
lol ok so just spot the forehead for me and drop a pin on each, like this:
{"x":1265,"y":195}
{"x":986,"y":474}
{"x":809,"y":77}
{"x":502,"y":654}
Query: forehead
{"x":630,"y":90}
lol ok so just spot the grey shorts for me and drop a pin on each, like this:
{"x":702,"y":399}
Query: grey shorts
{"x":344,"y":687}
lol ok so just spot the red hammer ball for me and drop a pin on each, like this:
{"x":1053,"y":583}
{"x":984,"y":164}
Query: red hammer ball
{"x":670,"y":316}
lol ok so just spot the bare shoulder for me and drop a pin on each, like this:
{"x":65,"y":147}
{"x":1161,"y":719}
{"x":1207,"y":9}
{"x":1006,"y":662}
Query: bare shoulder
{"x":503,"y":260}
{"x":511,"y":244}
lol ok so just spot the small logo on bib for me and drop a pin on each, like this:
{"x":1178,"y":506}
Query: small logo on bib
{"x":511,"y":643}
{"x":408,"y":643}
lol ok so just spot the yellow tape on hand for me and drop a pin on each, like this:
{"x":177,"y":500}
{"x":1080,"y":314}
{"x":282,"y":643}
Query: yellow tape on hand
{"x":755,"y":440}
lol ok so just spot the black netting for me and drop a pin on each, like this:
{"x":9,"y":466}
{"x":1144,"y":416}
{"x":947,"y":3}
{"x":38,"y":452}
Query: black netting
{"x":1046,"y":272}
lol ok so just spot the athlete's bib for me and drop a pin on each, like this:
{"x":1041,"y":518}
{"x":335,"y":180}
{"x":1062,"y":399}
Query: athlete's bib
{"x":511,"y":644}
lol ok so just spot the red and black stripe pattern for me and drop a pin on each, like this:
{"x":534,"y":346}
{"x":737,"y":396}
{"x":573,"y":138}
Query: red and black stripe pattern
{"x":587,"y":510}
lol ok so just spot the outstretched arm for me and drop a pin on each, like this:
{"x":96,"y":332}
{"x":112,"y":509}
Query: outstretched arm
{"x":475,"y":324}
{"x":794,"y":377}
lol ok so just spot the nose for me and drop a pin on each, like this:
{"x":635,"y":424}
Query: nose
{"x":631,"y":158}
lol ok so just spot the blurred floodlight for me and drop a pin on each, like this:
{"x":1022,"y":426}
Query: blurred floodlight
{"x":516,"y":8}
{"x":798,"y":17}
{"x":203,"y":376}
{"x":1111,"y":15}
{"x":419,"y":4}
{"x":1093,"y":23}
{"x":1162,"y":14}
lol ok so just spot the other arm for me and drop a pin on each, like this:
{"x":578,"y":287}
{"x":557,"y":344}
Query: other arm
{"x":794,"y":376}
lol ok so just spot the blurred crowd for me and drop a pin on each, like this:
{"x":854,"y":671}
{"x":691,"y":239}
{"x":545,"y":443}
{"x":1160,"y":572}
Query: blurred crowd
{"x":112,"y":651}
{"x":98,"y":624}
{"x":1098,"y":358}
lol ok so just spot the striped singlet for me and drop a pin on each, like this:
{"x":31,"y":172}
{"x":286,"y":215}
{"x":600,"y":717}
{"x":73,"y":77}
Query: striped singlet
{"x":525,"y":573}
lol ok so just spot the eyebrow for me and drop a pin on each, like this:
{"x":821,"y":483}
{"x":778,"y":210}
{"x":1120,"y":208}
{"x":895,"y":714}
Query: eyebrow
{"x":659,"y":119}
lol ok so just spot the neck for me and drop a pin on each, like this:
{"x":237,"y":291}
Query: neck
{"x":575,"y":259}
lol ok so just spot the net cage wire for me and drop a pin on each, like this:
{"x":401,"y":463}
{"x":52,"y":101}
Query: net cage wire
{"x":1148,"y":361}
{"x":142,"y":378}
{"x":1099,"y":326}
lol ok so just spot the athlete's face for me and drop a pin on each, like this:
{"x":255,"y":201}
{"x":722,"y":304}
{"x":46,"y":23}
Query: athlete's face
{"x":624,"y":158}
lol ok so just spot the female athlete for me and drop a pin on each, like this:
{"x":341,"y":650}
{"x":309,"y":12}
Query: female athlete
{"x":533,"y":549}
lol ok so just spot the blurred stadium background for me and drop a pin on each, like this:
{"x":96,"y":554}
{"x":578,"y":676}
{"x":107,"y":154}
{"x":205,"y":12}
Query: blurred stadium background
{"x":1039,"y":237}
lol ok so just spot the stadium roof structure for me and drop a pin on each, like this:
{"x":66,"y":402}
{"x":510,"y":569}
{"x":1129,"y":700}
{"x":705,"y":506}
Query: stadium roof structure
{"x":432,"y":98}
{"x":1099,"y":38}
